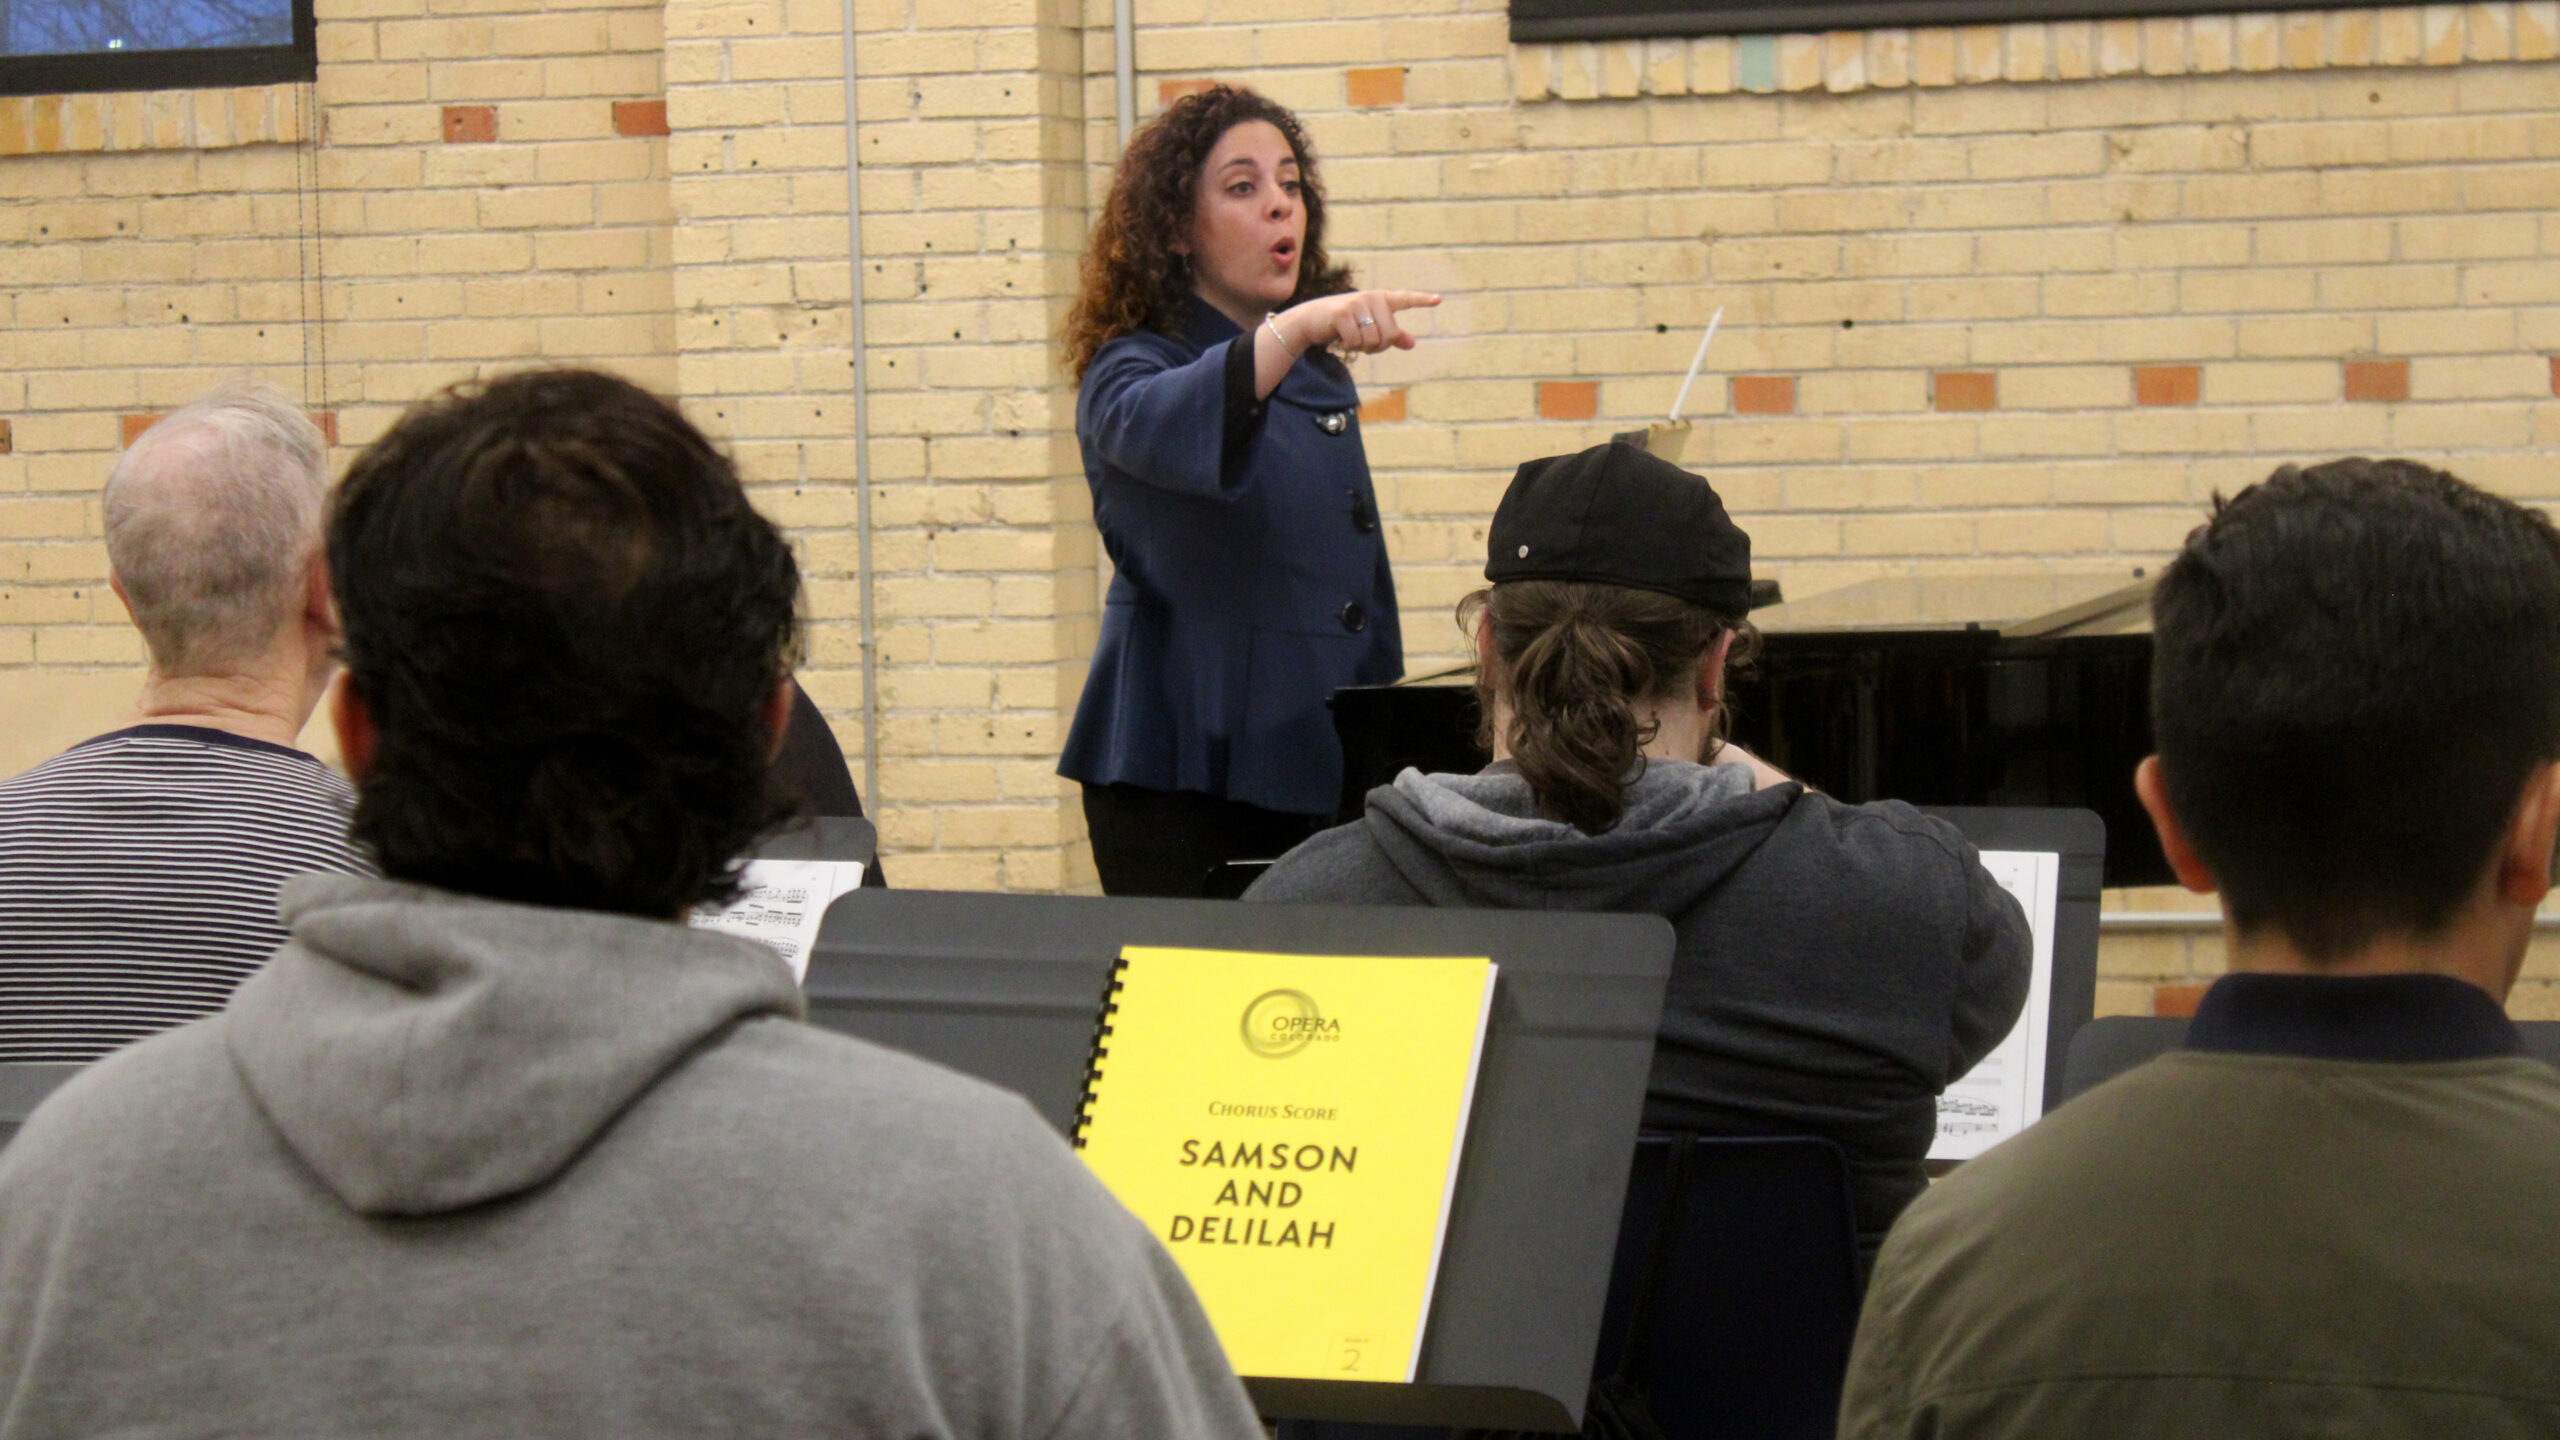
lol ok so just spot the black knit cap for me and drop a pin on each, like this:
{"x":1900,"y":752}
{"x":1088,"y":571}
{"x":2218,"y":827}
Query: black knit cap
{"x":1618,"y":515}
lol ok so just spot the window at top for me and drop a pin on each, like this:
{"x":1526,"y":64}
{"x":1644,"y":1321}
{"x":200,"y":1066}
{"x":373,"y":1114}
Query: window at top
{"x":55,"y":46}
{"x":1539,"y":21}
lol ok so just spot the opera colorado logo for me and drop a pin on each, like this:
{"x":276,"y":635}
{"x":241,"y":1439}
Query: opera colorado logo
{"x":1280,"y":1023}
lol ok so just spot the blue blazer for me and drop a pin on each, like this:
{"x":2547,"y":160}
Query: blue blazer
{"x":1252,"y":571}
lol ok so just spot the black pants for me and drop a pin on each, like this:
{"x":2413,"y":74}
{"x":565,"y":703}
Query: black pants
{"x":1167,"y":842}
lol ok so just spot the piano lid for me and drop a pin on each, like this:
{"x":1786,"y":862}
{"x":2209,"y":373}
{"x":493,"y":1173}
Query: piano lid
{"x":2024,"y":689}
{"x":2020,"y":606}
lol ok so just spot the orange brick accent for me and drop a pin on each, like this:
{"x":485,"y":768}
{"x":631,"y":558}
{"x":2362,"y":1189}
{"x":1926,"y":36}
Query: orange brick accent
{"x":2378,"y":381}
{"x":1168,"y":91}
{"x":2176,"y":1000}
{"x":1390,"y":406}
{"x":2167,"y":384}
{"x":327,"y":420}
{"x":639,"y":117}
{"x":1372,"y":88}
{"x":2555,"y":374}
{"x":1567,"y":399}
{"x":1964,"y":390}
{"x":1764,"y":394}
{"x":134,"y":425}
{"x":470,"y":124}
{"x":4,"y":433}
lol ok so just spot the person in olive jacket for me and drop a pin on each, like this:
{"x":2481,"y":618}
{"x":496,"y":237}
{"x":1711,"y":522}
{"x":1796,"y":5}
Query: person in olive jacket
{"x":2329,"y":1211}
{"x":1222,"y":442}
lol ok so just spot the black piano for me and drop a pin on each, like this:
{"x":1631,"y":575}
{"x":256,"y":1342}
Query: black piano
{"x":2020,"y":689}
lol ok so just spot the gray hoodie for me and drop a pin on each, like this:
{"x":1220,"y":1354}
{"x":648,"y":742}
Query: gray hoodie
{"x":449,"y":1167}
{"x":1838,"y":965}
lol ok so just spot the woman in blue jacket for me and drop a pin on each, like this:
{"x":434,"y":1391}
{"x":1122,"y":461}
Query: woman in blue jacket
{"x":1222,"y":442}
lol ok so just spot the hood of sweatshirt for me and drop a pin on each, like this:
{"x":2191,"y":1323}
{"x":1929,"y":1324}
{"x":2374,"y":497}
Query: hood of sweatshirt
{"x":1478,"y":840}
{"x":423,"y":1051}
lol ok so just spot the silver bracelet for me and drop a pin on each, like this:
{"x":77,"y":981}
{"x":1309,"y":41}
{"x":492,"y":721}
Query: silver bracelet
{"x":1271,"y":322}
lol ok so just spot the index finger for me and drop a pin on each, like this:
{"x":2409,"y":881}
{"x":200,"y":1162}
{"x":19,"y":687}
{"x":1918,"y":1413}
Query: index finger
{"x":1408,"y":299}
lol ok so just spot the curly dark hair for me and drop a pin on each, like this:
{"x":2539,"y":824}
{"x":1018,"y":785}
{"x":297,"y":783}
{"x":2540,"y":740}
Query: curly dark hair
{"x":566,"y":623}
{"x":1133,"y":278}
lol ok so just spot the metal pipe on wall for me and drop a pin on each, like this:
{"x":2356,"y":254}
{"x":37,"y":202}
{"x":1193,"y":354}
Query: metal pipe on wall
{"x":1124,"y":61}
{"x":1124,"y":72}
{"x":1124,"y":54}
{"x":871,"y":798}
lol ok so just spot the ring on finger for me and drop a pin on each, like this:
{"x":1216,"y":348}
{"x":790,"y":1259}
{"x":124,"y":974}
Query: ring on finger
{"x":1365,"y":320}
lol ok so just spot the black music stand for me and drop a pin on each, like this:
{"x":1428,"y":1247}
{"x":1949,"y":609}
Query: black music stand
{"x":1008,"y":988}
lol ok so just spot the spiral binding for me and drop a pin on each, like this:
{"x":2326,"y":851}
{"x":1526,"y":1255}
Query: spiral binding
{"x":1101,"y":1050}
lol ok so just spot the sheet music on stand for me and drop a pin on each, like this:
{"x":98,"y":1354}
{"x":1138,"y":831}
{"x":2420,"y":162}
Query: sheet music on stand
{"x":2004,"y":1094}
{"x":781,"y":904}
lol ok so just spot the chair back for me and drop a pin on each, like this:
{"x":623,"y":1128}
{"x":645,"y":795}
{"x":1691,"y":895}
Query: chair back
{"x":2112,"y":1044}
{"x":1758,"y":1292}
{"x":23,"y":1085}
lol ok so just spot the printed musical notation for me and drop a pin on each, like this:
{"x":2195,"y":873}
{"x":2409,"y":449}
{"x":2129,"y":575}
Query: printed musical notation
{"x":782,"y":904}
{"x":2005,"y":1093}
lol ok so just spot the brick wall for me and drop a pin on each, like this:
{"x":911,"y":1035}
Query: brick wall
{"x":1996,"y":297}
{"x":973,"y":196}
{"x":470,"y":186}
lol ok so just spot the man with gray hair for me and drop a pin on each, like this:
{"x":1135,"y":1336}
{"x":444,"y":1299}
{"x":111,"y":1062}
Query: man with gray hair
{"x":139,"y":869}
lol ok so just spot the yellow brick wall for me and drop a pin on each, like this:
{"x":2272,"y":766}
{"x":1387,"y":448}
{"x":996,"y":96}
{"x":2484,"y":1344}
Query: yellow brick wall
{"x":2256,"y":220}
{"x":973,"y":192}
{"x":153,"y":245}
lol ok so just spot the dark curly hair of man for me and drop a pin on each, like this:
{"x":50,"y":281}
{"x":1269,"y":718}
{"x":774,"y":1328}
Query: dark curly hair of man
{"x":1134,"y":279}
{"x":567,"y":626}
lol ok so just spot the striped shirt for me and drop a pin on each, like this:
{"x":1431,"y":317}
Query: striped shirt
{"x":138,"y":879}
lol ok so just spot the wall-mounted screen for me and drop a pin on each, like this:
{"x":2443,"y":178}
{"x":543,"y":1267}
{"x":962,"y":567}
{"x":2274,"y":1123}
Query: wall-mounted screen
{"x":56,"y":46}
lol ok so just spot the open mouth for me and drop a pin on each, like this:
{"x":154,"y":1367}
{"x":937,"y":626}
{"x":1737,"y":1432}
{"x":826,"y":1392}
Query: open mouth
{"x":1284,"y":252}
